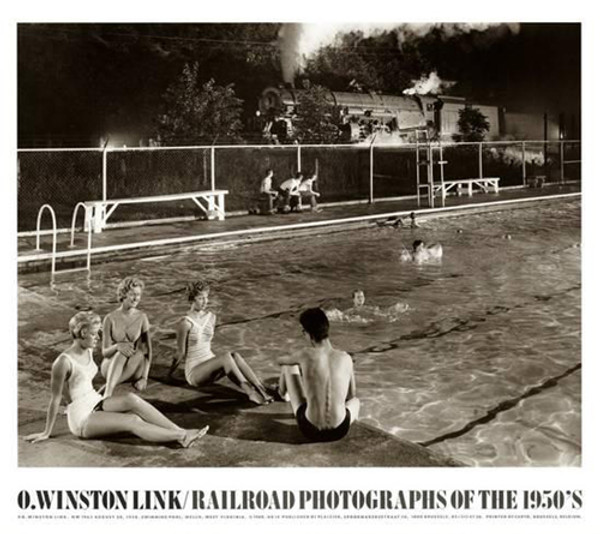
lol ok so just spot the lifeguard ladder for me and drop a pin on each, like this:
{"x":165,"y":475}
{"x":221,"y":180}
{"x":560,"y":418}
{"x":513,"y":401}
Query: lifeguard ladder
{"x":87,"y":226}
{"x":425,"y":158}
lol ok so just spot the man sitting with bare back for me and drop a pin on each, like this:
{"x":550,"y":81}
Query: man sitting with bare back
{"x":320,"y":382}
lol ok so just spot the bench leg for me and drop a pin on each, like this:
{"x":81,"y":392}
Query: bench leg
{"x":221,"y":206}
{"x":98,"y":221}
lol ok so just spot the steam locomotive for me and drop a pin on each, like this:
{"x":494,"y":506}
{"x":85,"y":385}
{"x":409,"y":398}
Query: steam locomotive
{"x":364,"y":115}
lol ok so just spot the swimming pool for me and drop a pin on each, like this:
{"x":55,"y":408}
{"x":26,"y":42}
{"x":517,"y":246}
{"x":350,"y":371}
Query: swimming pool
{"x":484,"y":366}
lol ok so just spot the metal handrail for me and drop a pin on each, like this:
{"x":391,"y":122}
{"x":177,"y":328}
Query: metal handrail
{"x":87,"y":222}
{"x":37,"y":236}
{"x":74,"y":218}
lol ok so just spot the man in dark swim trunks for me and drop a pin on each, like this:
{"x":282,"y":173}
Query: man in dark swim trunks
{"x":320,"y":383}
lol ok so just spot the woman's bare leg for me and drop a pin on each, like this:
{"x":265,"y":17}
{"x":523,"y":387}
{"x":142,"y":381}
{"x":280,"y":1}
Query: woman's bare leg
{"x":251,"y":376}
{"x":114,"y":372}
{"x":121,"y":369}
{"x":134,"y":404}
{"x":101,"y":424}
{"x":208,"y":371}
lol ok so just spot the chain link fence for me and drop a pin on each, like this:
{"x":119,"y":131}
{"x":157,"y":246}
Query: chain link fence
{"x":63,"y":177}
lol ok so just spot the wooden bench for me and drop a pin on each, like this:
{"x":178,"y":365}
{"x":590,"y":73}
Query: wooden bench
{"x":486,"y":184}
{"x":97,"y":212}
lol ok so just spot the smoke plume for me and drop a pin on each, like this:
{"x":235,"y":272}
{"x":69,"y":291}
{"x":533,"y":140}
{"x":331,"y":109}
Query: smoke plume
{"x":428,"y":85}
{"x":299,"y":41}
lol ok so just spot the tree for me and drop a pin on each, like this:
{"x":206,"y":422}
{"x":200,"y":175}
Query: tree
{"x":317,"y":117}
{"x":472,"y":125}
{"x":196,"y":112}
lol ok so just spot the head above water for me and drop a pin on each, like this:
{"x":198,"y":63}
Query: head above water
{"x":358,"y":298}
{"x":83,"y":320}
{"x":315,"y":324}
{"x":418,"y":245}
{"x":126,"y":285}
{"x":269,"y":172}
{"x":193,"y":289}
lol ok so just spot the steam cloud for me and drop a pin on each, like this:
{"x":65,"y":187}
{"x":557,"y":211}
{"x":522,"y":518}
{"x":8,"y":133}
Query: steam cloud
{"x":431,"y":85}
{"x":299,"y":41}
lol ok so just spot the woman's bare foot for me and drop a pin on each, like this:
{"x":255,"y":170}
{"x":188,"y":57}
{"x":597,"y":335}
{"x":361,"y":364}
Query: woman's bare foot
{"x":268,"y":396}
{"x":192,"y":435}
{"x":253,"y":395}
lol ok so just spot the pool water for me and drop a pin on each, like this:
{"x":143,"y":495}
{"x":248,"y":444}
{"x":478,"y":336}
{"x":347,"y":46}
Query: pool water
{"x":484,"y":365}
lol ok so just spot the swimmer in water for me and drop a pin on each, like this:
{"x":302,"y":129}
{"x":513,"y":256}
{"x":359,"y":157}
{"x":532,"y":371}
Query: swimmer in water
{"x":398,"y":222}
{"x":89,"y":414}
{"x":362,"y":313}
{"x":421,"y":252}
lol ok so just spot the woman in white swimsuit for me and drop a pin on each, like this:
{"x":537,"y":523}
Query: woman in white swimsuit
{"x":91,"y":416}
{"x":202,"y":366}
{"x":126,"y":345}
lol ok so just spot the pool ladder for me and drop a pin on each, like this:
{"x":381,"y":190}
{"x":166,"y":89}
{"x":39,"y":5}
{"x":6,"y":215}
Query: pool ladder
{"x":87,"y":225}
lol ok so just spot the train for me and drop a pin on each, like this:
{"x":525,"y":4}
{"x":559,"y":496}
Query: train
{"x":365,"y":115}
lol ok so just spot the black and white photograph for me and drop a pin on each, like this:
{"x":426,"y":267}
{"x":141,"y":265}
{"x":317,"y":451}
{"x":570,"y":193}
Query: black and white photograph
{"x":329,"y":268}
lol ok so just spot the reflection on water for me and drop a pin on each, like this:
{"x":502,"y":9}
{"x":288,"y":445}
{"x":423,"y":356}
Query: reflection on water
{"x":459,"y":368}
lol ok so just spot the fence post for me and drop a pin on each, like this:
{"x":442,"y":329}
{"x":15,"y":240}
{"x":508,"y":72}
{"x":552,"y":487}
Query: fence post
{"x":299,"y":158}
{"x":562,"y":162}
{"x":371,"y":196}
{"x":481,"y":160}
{"x":524,"y":168}
{"x":104,"y":172}
{"x":212,"y":168}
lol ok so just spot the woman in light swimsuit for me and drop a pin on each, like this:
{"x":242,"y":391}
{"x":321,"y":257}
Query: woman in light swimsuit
{"x":126,"y":345}
{"x":89,"y":415}
{"x":194,"y":335}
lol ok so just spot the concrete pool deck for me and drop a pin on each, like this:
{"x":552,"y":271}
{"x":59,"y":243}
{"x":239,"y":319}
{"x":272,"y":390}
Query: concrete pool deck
{"x":143,"y":240}
{"x":241,"y":434}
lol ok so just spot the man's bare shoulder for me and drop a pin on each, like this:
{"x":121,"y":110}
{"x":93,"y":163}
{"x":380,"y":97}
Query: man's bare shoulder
{"x":341,"y":356}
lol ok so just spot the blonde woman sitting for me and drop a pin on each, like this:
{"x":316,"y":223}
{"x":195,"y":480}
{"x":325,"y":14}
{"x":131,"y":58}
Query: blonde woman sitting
{"x":89,"y":415}
{"x":126,"y":345}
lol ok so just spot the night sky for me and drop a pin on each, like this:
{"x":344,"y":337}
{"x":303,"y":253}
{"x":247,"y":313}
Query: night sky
{"x":78,"y":82}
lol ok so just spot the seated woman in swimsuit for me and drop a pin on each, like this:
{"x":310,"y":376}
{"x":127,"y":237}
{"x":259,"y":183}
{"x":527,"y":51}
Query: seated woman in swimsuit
{"x":126,"y":345}
{"x":89,"y":415}
{"x":194,"y":335}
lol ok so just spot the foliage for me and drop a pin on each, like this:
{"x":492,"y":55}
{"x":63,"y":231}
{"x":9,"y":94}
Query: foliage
{"x":318,"y":118}
{"x":196,"y":112}
{"x":472,"y":125}
{"x":376,"y":63}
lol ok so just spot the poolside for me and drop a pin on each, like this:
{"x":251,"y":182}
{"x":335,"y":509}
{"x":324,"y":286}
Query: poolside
{"x":495,"y":317}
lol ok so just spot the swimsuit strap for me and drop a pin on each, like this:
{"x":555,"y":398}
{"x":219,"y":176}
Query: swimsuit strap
{"x":196,"y":323}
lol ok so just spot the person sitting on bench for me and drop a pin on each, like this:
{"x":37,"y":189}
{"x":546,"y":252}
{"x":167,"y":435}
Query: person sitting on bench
{"x":267,"y":194}
{"x":289,"y":195}
{"x":306,"y":191}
